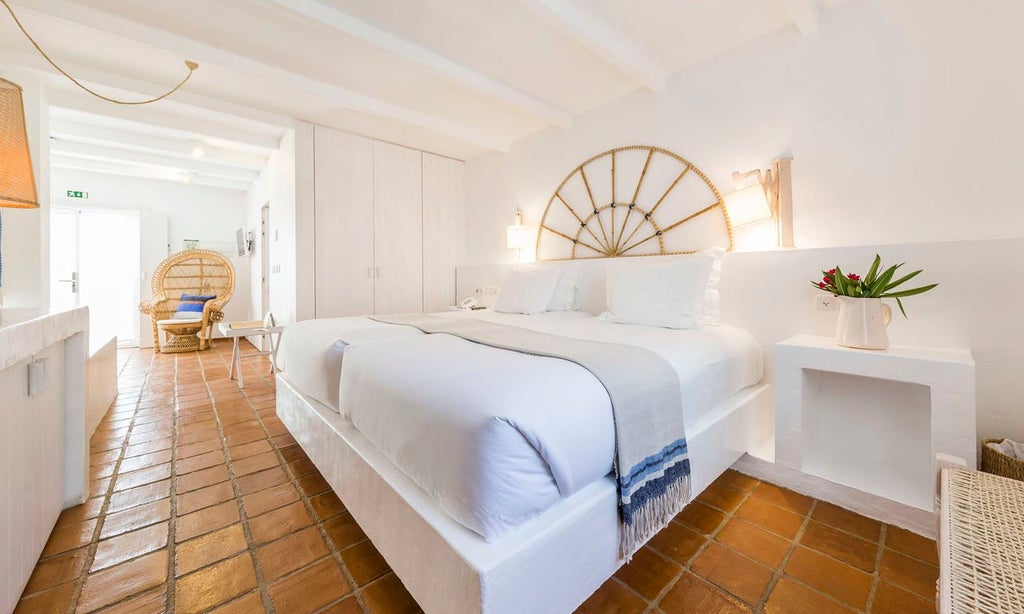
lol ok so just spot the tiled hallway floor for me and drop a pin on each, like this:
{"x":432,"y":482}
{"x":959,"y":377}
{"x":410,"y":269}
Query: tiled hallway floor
{"x":202,"y":501}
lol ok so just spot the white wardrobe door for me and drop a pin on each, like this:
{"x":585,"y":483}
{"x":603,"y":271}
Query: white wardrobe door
{"x":343,"y":211}
{"x":443,"y":198}
{"x":398,"y":229}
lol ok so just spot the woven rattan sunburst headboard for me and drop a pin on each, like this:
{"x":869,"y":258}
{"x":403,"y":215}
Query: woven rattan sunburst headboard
{"x":636,"y":200}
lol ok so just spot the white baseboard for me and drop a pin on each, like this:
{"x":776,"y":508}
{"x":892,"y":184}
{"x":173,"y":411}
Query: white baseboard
{"x":885,"y":510}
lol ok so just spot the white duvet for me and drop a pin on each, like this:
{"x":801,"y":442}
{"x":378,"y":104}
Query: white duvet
{"x":497,"y":437}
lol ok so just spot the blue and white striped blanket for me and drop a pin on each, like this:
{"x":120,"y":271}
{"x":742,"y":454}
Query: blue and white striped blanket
{"x":652,"y":467}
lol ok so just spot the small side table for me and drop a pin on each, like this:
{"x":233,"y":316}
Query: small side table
{"x":873,"y":420}
{"x":237,"y":330}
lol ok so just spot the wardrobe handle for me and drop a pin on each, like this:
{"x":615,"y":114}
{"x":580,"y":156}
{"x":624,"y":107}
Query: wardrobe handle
{"x":378,"y":272}
{"x":369,"y":272}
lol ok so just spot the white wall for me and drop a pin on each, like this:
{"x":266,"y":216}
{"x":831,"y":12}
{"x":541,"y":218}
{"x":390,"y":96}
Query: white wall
{"x":25,"y":243}
{"x":211,"y":215}
{"x":903,"y":118}
{"x":276,"y":186}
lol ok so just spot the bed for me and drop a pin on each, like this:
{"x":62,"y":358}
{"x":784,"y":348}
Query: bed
{"x":492,"y":524}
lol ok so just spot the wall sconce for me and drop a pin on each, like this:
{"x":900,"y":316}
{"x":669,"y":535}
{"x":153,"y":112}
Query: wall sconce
{"x":517,"y":236}
{"x":17,"y":181}
{"x":770,"y":196}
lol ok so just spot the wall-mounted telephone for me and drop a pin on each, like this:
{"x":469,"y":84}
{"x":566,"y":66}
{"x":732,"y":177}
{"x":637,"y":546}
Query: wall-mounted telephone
{"x":468,"y":303}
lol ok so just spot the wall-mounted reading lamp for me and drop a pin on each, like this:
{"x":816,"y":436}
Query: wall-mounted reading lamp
{"x":762,"y":195}
{"x":517,"y":236}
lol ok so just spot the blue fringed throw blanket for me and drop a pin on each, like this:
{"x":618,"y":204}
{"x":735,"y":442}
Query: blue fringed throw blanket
{"x":652,"y":467}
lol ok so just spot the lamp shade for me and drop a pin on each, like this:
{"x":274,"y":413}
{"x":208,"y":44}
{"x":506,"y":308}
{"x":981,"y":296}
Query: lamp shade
{"x":17,"y":181}
{"x":748,"y":205}
{"x":517,"y":237}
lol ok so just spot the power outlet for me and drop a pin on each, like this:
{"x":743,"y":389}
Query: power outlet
{"x":490,"y":290}
{"x":826,"y":302}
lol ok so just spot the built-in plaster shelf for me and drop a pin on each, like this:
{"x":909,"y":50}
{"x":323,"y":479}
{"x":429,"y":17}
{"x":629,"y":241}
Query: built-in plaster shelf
{"x":873,"y":420}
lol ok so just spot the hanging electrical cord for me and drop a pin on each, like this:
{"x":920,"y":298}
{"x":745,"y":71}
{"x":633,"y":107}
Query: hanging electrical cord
{"x":192,"y":66}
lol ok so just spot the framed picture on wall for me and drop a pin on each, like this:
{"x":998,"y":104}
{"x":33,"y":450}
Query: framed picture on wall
{"x":191,"y":243}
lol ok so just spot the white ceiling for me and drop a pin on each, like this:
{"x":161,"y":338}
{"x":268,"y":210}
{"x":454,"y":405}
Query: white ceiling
{"x":458,"y":77}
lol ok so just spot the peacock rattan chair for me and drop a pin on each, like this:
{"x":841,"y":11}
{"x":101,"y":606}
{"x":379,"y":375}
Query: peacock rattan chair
{"x":193,"y":271}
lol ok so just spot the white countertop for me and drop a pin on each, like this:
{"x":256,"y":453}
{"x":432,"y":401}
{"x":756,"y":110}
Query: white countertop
{"x":24,"y":332}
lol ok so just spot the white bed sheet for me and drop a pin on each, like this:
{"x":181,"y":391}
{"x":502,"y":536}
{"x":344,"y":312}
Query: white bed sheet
{"x":497,"y":437}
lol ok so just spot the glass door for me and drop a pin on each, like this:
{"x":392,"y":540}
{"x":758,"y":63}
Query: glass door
{"x":94,"y":261}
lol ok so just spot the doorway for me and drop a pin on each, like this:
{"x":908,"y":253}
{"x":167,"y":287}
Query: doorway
{"x":94,"y":262}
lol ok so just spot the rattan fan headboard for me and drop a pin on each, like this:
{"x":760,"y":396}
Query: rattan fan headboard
{"x":636,"y":200}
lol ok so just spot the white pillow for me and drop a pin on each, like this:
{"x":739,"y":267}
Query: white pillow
{"x":672,"y":294}
{"x":527,"y":291}
{"x":566,"y":295}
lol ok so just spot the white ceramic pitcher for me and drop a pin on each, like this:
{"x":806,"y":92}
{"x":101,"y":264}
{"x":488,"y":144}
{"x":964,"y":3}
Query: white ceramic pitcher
{"x":862,"y":323}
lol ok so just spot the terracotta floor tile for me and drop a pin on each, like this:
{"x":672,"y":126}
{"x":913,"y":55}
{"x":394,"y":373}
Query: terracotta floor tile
{"x":283,"y":441}
{"x":250,"y":449}
{"x":147,"y":448}
{"x":210,"y":548}
{"x":246,"y":436}
{"x":692,"y":595}
{"x":677,"y":542}
{"x":364,"y":562}
{"x":124,"y":580}
{"x":57,"y":570}
{"x":80,"y":513}
{"x":891,"y":599}
{"x":790,"y":597}
{"x":848,"y":521}
{"x":610,"y":597}
{"x":732,"y":571}
{"x":214,"y":585}
{"x":206,"y":520}
{"x":701,"y":517}
{"x":57,"y":599}
{"x":290,"y":553}
{"x":146,"y":460}
{"x":98,"y":488}
{"x":189,"y":450}
{"x":912,"y":544}
{"x":280,"y":522}
{"x":251,"y":603}
{"x":843,"y":546}
{"x":725,"y":498}
{"x":309,"y":589}
{"x":199,"y":461}
{"x":326,"y":505}
{"x":69,"y":537}
{"x":204,"y":497}
{"x":302,"y":467}
{"x":843,"y":582}
{"x":202,"y":478}
{"x":755,"y":542}
{"x":348,"y":605}
{"x":264,"y":479}
{"x":784,"y":498}
{"x":313,"y":484}
{"x":908,"y":573}
{"x":771,"y":517}
{"x":342,"y":531}
{"x":738,"y":480}
{"x":648,"y":573}
{"x":137,"y":496}
{"x":252,"y":464}
{"x":389,"y":596}
{"x":150,"y":602}
{"x":293,"y":454}
{"x":114,"y":550}
{"x":132,"y":479}
{"x":271,"y":498}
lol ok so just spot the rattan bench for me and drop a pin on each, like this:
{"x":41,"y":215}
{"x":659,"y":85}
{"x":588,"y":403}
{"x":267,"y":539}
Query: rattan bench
{"x":981,"y":543}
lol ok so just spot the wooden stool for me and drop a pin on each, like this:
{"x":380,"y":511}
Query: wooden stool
{"x":181,"y":335}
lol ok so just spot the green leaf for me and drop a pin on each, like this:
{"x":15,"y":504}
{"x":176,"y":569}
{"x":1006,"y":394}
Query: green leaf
{"x":905,"y":293}
{"x":902,"y":280}
{"x":879,"y":286}
{"x":840,"y":282}
{"x":870,"y":277}
{"x":902,"y":310}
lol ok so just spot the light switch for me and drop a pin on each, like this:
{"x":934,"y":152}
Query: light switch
{"x":37,"y":377}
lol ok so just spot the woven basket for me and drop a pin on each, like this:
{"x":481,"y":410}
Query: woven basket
{"x":995,"y":462}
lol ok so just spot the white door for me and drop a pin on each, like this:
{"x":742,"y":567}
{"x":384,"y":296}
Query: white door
{"x":94,"y":261}
{"x":264,"y":259}
{"x":343,"y":215}
{"x":397,"y":229}
{"x":443,"y":196}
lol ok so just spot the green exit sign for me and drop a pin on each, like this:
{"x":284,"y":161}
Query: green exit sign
{"x":77,"y":194}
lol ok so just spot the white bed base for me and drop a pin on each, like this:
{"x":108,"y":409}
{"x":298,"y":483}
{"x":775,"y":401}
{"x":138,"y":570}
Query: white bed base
{"x":551,"y":563}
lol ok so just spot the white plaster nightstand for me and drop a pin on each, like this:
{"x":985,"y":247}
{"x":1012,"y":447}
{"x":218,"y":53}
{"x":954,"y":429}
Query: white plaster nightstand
{"x":873,"y":420}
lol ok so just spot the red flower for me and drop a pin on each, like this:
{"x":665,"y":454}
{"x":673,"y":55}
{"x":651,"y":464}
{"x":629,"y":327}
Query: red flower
{"x":826,"y":280}
{"x":831,"y":271}
{"x":854,"y":277}
{"x":821,"y":285}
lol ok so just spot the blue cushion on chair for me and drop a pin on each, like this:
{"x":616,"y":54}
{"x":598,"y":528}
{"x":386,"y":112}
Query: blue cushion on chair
{"x":191,"y":306}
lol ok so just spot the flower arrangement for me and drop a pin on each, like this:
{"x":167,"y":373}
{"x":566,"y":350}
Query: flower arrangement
{"x":873,"y":285}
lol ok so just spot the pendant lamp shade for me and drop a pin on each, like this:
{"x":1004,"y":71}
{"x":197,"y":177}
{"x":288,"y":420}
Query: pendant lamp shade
{"x":17,"y":181}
